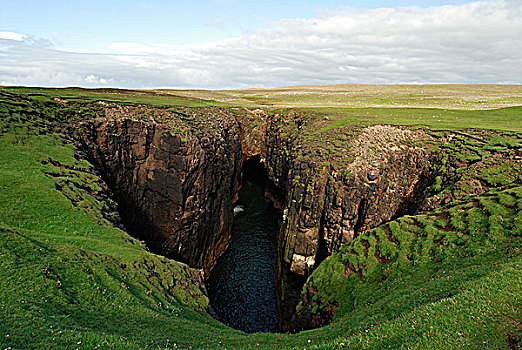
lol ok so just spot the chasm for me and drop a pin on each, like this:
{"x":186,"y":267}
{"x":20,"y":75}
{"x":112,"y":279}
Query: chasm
{"x":178,"y":194}
{"x":241,"y":286}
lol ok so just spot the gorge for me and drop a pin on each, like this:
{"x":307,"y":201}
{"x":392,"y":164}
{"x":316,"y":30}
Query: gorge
{"x":241,"y":286}
{"x":176,"y":176}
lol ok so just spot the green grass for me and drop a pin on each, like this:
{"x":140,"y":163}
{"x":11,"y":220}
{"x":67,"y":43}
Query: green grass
{"x":484,"y":314}
{"x":112,"y":95}
{"x":70,"y":279}
{"x":64,"y":267}
{"x":460,"y":96}
{"x":417,"y":282}
{"x":505,"y":119}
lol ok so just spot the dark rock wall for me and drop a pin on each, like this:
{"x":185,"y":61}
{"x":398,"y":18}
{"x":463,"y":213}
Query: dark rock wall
{"x":173,"y":192}
{"x":389,"y":177}
{"x":388,"y":174}
{"x":378,"y":187}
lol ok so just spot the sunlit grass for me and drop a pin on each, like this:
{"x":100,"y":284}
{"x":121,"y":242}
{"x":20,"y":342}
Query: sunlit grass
{"x":72,"y":280}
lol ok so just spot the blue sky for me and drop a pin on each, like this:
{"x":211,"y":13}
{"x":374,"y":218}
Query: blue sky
{"x":234,"y":43}
{"x":91,"y":26}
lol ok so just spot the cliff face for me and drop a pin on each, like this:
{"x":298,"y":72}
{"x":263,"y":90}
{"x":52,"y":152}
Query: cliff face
{"x":386,"y":173}
{"x":389,"y":176}
{"x":176,"y":174}
{"x":174,"y":183}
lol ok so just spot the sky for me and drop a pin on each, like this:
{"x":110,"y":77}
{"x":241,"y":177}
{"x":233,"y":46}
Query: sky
{"x":217,"y":44}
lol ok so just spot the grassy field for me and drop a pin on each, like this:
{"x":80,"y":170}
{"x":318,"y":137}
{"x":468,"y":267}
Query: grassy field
{"x":449,"y":107}
{"x":451,"y":278}
{"x":438,"y":106}
{"x":506,"y":119}
{"x":113,"y":95}
{"x":467,"y":97}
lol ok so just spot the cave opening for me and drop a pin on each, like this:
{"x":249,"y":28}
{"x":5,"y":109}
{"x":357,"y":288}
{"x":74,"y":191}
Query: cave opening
{"x":241,"y":285}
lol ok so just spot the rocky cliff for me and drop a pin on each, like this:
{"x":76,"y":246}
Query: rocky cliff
{"x":384,"y":174}
{"x":334,"y":194}
{"x":173,"y":176}
{"x":176,"y":174}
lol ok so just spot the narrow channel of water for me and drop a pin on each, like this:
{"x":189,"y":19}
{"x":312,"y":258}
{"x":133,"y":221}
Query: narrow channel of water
{"x":241,"y":285}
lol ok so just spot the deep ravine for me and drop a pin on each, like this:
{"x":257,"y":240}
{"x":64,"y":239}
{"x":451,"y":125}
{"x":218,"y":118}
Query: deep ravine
{"x":176,"y":179}
{"x":241,"y":285}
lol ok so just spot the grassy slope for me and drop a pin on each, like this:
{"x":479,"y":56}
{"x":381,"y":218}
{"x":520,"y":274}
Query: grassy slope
{"x":64,"y":283}
{"x":68,"y":276}
{"x":451,"y":277}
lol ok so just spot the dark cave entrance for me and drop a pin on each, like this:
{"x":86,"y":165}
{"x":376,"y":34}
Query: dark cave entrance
{"x":241,"y":287}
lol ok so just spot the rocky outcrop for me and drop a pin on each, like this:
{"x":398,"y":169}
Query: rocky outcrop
{"x":390,"y":176}
{"x":386,"y":173}
{"x":253,"y":126}
{"x":174,"y":179}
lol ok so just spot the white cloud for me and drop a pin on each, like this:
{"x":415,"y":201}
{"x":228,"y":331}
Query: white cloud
{"x":11,"y":36}
{"x":27,"y":39}
{"x":475,"y":42}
